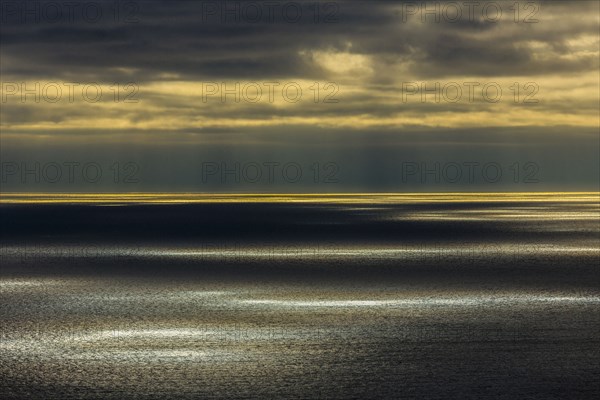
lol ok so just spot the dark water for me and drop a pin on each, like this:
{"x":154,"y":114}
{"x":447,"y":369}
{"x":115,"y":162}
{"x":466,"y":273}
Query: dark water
{"x":364,"y":297}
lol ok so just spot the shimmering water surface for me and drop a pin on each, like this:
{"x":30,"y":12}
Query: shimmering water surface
{"x":414,"y":296}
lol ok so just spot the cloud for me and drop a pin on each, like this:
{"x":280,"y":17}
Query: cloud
{"x":376,"y":59}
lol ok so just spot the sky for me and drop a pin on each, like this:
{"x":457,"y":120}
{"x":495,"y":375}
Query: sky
{"x":307,"y":97}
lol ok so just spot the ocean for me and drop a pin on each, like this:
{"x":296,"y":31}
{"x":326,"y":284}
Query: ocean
{"x":438,"y":296}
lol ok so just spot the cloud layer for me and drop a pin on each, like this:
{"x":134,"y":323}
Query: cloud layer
{"x":367,"y":81}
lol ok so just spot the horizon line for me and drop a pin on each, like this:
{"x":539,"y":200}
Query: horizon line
{"x":346,"y":197}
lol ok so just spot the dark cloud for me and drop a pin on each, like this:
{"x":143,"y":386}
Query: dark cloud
{"x":182,"y":37}
{"x":368,"y":48}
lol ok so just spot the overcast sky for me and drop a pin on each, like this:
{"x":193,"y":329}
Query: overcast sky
{"x":333,"y":90}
